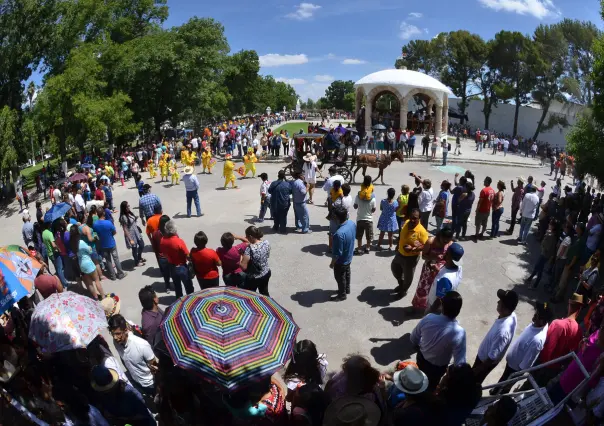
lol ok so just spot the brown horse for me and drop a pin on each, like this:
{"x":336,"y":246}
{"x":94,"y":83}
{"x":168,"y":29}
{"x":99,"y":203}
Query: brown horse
{"x":380,"y":161}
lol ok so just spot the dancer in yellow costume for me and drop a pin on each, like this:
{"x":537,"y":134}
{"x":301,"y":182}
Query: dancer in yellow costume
{"x":228,"y":172}
{"x":250,"y":161}
{"x":206,"y":160}
{"x":152,"y":172}
{"x":175,"y":175}
{"x":184,"y":156}
{"x":163,"y":167}
{"x":192,"y":158}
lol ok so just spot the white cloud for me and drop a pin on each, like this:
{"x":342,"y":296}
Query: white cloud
{"x":291,"y":81}
{"x":538,"y":8}
{"x":312,"y":90}
{"x":415,"y":15}
{"x":408,"y":31}
{"x":277,"y":60}
{"x":324,"y":78}
{"x":304,"y":11}
{"x":353,"y":62}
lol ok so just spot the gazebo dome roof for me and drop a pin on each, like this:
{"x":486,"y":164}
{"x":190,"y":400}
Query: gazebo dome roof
{"x":397,"y":77}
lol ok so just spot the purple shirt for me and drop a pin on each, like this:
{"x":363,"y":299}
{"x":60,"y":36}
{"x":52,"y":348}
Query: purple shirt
{"x":517,"y":197}
{"x":150,"y":322}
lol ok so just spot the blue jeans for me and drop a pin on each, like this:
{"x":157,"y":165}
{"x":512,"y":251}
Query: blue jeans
{"x":445,"y":153}
{"x":137,"y":250}
{"x":264,"y":205}
{"x":538,"y":210}
{"x":57,"y":262}
{"x":495,"y":221}
{"x":164,"y":268}
{"x":538,"y":270}
{"x":180,"y":273}
{"x":301,"y":216}
{"x":193,"y":195}
{"x":280,"y":218}
{"x":525,"y":227}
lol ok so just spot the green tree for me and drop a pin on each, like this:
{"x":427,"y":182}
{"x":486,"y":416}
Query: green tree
{"x":580,"y":36}
{"x":464,"y":55}
{"x":584,"y":142}
{"x":8,"y":142}
{"x":514,"y":56}
{"x":552,"y":83}
{"x":310,"y":104}
{"x":336,"y":93}
{"x":241,"y":78}
{"x":422,"y":55}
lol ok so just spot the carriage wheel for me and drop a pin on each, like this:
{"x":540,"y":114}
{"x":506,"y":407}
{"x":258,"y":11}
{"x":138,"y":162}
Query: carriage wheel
{"x":346,"y":174}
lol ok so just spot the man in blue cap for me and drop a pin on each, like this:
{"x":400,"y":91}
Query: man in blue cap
{"x":448,"y":278}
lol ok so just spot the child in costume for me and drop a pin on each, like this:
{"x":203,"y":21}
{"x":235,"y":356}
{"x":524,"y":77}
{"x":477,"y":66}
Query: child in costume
{"x":192,"y":158}
{"x":152,"y":172}
{"x":228,"y":171}
{"x":163,"y":166}
{"x":174,"y":173}
{"x":184,"y":157}
{"x":206,"y":160}
{"x":250,"y":161}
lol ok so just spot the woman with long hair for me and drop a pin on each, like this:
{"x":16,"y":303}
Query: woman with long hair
{"x":86,"y":266}
{"x":306,"y":367}
{"x":434,"y":260}
{"x":132,"y":233}
{"x":90,"y":237}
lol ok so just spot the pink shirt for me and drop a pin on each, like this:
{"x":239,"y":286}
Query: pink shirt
{"x":230,"y":258}
{"x":572,"y":376}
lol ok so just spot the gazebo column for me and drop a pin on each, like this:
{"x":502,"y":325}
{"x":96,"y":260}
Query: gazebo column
{"x":438,"y":122}
{"x":404,"y":111}
{"x":446,"y":121}
{"x":368,"y":113}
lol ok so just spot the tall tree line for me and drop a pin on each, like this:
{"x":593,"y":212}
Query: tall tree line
{"x":111,"y":71}
{"x":555,"y":63}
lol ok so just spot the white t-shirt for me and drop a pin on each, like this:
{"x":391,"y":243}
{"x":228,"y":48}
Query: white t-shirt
{"x":57,"y":195}
{"x":347,"y":203}
{"x":221,"y":137}
{"x":329,"y":182}
{"x":526,"y":348}
{"x":71,"y":199}
{"x":529,"y":205}
{"x":135,"y":356}
{"x":111,"y":362}
{"x":497,"y":340}
{"x":80,"y":205}
{"x":426,"y":200}
{"x":441,"y":287}
{"x":194,"y":143}
{"x":264,"y":188}
{"x":506,"y":143}
{"x":365,"y":208}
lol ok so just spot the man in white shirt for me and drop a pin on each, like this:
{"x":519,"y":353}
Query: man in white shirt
{"x":426,"y":202}
{"x":528,"y":210}
{"x":448,"y":278}
{"x":80,"y":205}
{"x":496,"y":342}
{"x":506,"y":145}
{"x":192,"y":190}
{"x":440,"y":338}
{"x":402,"y":141}
{"x":57,"y":196}
{"x":329,"y":182}
{"x":525,"y":350}
{"x":136,"y":355}
{"x":194,"y":144}
{"x":496,"y":143}
{"x":221,"y":139}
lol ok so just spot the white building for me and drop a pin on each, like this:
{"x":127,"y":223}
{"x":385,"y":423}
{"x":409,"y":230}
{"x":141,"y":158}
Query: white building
{"x":502,"y":119}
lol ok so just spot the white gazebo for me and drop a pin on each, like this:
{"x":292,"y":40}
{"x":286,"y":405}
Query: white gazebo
{"x":404,"y":85}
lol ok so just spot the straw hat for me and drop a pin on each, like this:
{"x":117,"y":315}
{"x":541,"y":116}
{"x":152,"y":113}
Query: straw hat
{"x":309,"y":157}
{"x":188,"y":170}
{"x":228,"y":156}
{"x":352,"y":411}
{"x":103,"y":378}
{"x":111,"y":305}
{"x":410,"y":380}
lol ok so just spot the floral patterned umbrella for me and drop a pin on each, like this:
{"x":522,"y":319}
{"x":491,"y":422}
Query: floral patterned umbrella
{"x":66,"y":321}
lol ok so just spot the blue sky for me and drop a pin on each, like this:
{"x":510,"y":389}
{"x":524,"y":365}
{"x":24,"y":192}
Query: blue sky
{"x":311,"y":43}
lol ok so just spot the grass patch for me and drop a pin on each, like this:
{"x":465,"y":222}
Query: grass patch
{"x":293,"y":128}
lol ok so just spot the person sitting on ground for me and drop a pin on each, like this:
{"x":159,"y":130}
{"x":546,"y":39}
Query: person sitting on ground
{"x":306,"y":367}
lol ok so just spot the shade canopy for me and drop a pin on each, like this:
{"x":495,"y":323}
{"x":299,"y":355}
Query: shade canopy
{"x":411,"y":79}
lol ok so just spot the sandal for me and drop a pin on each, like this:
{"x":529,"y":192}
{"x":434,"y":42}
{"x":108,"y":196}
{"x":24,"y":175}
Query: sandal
{"x":357,"y":252}
{"x":366,"y":250}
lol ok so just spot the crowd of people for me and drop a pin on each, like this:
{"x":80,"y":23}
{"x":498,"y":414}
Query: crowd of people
{"x":441,"y":387}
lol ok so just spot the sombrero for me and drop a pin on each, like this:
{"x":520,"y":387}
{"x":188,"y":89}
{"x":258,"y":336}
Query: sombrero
{"x":188,"y":170}
{"x":309,"y":157}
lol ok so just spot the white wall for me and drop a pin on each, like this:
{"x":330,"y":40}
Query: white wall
{"x":502,"y":120}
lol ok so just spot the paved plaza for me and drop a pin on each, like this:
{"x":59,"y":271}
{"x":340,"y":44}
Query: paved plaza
{"x":370,"y":321}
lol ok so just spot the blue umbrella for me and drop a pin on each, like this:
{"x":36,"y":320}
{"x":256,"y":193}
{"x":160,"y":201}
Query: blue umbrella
{"x":87,"y":166}
{"x":341,"y":129}
{"x":56,"y":212}
{"x":11,"y":290}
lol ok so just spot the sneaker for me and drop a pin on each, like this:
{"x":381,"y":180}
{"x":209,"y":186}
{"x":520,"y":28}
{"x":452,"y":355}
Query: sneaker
{"x":366,"y":250}
{"x":339,"y":298}
{"x":307,"y":232}
{"x":121,"y":277}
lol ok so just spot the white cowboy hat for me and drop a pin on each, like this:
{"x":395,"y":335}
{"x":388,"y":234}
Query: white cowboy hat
{"x":309,"y":157}
{"x":410,"y":380}
{"x":188,"y":170}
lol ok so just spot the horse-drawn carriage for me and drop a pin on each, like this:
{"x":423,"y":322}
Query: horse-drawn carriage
{"x":346,"y":165}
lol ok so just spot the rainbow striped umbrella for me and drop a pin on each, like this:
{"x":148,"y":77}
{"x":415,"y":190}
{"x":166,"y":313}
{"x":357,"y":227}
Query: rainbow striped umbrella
{"x":229,"y":336}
